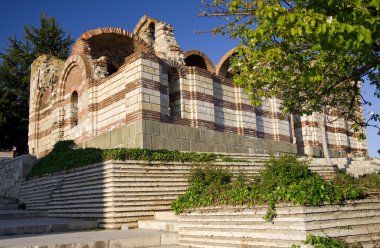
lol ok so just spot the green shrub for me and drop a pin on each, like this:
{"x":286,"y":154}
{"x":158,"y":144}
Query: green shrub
{"x":325,"y":242}
{"x":284,"y":179}
{"x":206,"y":185}
{"x":66,"y":155}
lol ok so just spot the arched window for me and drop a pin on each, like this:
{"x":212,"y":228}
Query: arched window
{"x":74,"y":109}
{"x":152,"y":31}
{"x":174,"y":93}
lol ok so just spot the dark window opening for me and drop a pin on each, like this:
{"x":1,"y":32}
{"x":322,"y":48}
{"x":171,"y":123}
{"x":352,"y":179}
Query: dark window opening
{"x":111,"y":69}
{"x":74,"y":109}
{"x":195,"y":60}
{"x":152,"y":30}
{"x":174,"y":93}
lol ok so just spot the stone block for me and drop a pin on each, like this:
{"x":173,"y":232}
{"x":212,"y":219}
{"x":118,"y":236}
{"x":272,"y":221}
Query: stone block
{"x":103,"y":141}
{"x":147,"y":141}
{"x":156,"y":128}
{"x":172,"y":131}
{"x":203,"y":147}
{"x":195,"y":145}
{"x":149,"y":127}
{"x":229,"y":149}
{"x":189,"y":133}
{"x":182,"y":132}
{"x":175,"y":144}
{"x":220,"y":148}
{"x":157,"y":142}
{"x":196,"y":136}
{"x":163,"y":129}
{"x":139,"y":141}
{"x":132,"y":130}
{"x":117,"y":137}
{"x":165,"y":144}
{"x":185,"y":145}
{"x":210,"y":147}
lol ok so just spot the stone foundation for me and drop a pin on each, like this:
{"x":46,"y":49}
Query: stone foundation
{"x":157,"y":135}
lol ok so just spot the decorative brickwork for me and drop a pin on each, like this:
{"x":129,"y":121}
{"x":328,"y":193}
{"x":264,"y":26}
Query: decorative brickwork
{"x":140,"y":90}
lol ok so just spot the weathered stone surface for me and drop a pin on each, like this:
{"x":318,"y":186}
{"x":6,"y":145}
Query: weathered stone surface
{"x":227,"y":226}
{"x":119,"y":192}
{"x":12,"y":171}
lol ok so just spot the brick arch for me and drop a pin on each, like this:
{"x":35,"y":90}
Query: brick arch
{"x":82,"y":47}
{"x":168,"y":64}
{"x":209,"y":65}
{"x":82,"y":64}
{"x":224,"y":63}
{"x":44,"y":99}
{"x":143,"y":20}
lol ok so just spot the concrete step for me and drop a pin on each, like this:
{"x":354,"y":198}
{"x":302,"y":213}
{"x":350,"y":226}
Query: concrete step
{"x":163,"y":221}
{"x":165,"y":215}
{"x":160,"y":225}
{"x":104,"y":238}
{"x":21,"y":214}
{"x":8,"y":206}
{"x":44,"y":225}
{"x":7,"y":203}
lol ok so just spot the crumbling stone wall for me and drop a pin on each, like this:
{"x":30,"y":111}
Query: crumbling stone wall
{"x":12,"y":171}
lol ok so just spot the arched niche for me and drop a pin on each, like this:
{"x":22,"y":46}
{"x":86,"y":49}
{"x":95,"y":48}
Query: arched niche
{"x":223,"y":67}
{"x":111,"y":45}
{"x":198,"y":59}
{"x":76,"y":71}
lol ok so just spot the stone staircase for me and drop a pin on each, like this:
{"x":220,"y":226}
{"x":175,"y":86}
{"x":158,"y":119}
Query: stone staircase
{"x":163,"y":221}
{"x":317,"y":166}
{"x":118,"y":193}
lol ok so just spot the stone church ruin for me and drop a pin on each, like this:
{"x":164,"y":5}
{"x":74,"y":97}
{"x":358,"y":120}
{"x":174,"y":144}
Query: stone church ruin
{"x":139,"y":89}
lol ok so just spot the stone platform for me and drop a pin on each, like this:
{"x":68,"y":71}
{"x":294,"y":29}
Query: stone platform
{"x":92,"y":239}
{"x":15,"y":222}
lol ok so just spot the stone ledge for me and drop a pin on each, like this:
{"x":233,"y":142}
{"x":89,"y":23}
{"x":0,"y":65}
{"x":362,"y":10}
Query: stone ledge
{"x":354,"y":221}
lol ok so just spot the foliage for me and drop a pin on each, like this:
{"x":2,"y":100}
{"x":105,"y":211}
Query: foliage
{"x":370,"y":183}
{"x":310,"y":53}
{"x":15,"y":63}
{"x":325,"y":242}
{"x":66,"y":155}
{"x":284,"y":179}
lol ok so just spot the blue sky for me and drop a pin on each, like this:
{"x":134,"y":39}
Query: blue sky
{"x":78,"y":16}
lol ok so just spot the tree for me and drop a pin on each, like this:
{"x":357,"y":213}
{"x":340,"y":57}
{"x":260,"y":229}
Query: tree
{"x":15,"y":63}
{"x":312,"y":54}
